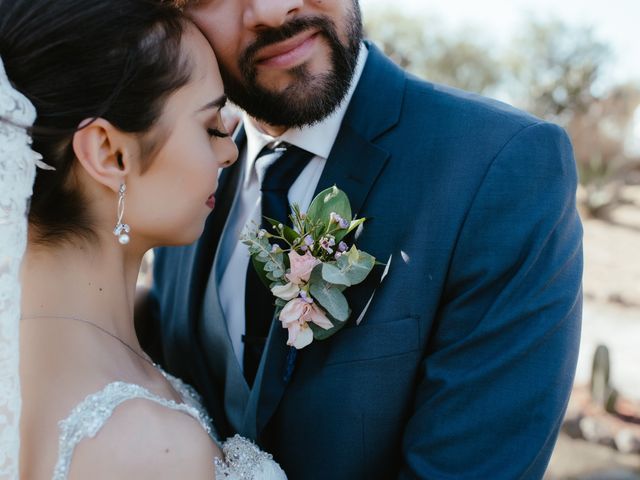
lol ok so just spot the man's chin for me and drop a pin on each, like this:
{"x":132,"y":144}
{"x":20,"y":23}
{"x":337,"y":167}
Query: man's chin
{"x":302,"y":102}
{"x":278,"y":81}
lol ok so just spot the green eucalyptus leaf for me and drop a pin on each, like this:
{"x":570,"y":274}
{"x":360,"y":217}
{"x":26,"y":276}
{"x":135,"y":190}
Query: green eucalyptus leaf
{"x":275,"y":265}
{"x":261,"y":248}
{"x":320,"y":333}
{"x":340,"y":234}
{"x":329,"y":296}
{"x":262,"y":274}
{"x":333,"y":274}
{"x":257,"y":245}
{"x":270,"y":276}
{"x":330,"y":200}
{"x":270,"y":266}
{"x":350,"y":269}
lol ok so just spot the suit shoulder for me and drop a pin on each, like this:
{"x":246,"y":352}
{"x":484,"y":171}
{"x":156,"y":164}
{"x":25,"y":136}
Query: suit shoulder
{"x":472,"y":107}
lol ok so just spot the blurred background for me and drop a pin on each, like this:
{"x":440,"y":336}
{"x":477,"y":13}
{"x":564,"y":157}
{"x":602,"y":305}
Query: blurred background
{"x":576,"y":63}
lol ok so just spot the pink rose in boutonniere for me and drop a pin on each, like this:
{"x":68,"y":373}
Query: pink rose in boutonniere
{"x":308,"y":282}
{"x":301,"y":267}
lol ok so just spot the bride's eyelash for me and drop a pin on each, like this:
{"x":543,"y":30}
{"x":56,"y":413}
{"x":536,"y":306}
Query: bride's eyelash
{"x":214,"y":132}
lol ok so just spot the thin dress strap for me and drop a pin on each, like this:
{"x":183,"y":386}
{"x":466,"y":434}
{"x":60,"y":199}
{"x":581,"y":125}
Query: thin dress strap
{"x":90,"y":415}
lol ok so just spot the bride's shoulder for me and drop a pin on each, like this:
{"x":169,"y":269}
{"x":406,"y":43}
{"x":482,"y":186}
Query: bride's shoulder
{"x":145,"y":440}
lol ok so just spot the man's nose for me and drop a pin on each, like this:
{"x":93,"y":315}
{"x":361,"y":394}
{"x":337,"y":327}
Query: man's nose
{"x":270,"y":13}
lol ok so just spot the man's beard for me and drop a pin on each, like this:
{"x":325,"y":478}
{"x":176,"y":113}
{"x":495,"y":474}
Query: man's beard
{"x":310,"y":97}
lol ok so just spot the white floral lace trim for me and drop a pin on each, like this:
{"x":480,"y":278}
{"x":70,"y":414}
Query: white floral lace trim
{"x":243,"y":460}
{"x":17,"y":173}
{"x":89,"y":416}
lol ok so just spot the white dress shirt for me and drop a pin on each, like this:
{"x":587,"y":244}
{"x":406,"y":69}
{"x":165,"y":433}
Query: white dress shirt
{"x":233,"y":255}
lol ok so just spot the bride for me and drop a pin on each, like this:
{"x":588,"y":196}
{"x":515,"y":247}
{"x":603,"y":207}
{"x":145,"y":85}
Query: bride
{"x":127,"y":95}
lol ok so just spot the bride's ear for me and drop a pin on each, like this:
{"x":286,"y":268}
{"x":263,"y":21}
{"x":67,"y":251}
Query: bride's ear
{"x":103,"y":151}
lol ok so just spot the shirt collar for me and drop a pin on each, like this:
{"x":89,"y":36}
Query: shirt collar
{"x":317,"y":138}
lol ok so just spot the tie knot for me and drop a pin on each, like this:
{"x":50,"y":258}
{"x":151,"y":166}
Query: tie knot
{"x":274,"y":147}
{"x":286,"y":163}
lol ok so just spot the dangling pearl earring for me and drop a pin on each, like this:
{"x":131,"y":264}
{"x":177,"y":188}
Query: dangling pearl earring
{"x":122,"y":229}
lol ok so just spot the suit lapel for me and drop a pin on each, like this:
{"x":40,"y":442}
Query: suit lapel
{"x":354,"y":164}
{"x":356,"y":161}
{"x":270,"y":380}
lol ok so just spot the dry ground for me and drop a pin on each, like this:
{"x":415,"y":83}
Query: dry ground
{"x":611,"y":317}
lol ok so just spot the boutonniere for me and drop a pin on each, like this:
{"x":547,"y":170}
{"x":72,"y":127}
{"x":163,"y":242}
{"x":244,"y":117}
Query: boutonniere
{"x":308,"y":266}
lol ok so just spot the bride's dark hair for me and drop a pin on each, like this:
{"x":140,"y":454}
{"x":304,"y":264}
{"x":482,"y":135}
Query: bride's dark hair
{"x":82,"y":59}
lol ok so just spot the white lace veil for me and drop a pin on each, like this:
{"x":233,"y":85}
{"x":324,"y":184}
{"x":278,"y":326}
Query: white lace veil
{"x":17,"y":173}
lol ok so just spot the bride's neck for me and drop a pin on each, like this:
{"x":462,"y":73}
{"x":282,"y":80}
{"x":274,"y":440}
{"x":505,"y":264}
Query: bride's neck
{"x":95,"y":283}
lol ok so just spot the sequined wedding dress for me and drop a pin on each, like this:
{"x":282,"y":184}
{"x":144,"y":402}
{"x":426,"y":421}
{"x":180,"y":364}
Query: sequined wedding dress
{"x":242,"y":460}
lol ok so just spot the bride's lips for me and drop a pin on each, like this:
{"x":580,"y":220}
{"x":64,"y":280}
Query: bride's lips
{"x":211,"y":201}
{"x":288,"y":53}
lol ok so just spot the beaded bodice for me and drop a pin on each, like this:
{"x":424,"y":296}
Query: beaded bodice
{"x":242,"y":459}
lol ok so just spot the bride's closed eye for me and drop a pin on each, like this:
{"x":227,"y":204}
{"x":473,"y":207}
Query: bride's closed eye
{"x":216,"y":128}
{"x":214,"y":132}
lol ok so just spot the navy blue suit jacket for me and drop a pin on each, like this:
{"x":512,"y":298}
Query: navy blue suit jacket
{"x":464,"y":361}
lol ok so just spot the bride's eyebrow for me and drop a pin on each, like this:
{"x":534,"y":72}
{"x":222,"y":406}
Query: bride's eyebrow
{"x":218,"y":103}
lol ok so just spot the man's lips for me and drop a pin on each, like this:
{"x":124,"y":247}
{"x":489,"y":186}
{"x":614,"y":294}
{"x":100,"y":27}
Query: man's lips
{"x":286,"y":51}
{"x":211,"y":201}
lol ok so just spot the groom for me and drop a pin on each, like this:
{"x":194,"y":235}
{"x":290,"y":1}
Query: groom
{"x":463,"y":361}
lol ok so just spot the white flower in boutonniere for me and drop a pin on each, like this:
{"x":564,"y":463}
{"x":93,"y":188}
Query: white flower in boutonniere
{"x":286,"y":292}
{"x":308,"y":282}
{"x":296,"y":315}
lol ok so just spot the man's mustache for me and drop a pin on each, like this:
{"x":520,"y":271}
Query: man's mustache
{"x":292,"y":28}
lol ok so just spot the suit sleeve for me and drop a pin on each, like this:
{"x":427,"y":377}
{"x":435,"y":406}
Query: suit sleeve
{"x":498,"y":369}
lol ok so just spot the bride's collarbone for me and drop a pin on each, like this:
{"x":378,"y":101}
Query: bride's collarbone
{"x":55,"y":384}
{"x":71,"y":368}
{"x":70,"y":387}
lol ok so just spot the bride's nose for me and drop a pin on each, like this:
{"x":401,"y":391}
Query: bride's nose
{"x":229,"y":155}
